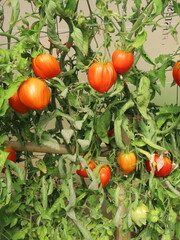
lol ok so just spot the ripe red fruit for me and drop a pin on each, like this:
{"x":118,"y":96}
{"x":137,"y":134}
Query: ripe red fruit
{"x":17,"y":105}
{"x":11,"y":156}
{"x":34,"y":93}
{"x":101,"y":76}
{"x":82,"y":172}
{"x":176,"y":73}
{"x":122,"y":61}
{"x":46,"y":66}
{"x":164,"y":162}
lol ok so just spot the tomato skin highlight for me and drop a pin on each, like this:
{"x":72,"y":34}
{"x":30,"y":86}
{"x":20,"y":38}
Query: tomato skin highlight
{"x":122,"y":61}
{"x":126,"y":161}
{"x":176,"y":73}
{"x":45,"y":66}
{"x":101,"y":76}
{"x":164,"y":171}
{"x":12,"y":154}
{"x":82,"y":172}
{"x":34,"y":93}
{"x":17,"y":105}
{"x":105,"y":175}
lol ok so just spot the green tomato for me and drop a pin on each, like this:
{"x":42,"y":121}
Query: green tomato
{"x":139,"y":215}
{"x":153,"y":215}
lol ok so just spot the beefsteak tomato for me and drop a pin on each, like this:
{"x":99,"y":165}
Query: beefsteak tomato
{"x":122,"y":61}
{"x":46,"y":66}
{"x":12,"y":154}
{"x":17,"y":105}
{"x":139,"y":215}
{"x":176,"y":73}
{"x":126,"y":161}
{"x":34,"y":93}
{"x":82,"y":172}
{"x":105,"y":175}
{"x":101,"y":76}
{"x":164,"y":163}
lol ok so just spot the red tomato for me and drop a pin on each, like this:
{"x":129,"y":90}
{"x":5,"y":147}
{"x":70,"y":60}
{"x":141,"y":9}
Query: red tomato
{"x":11,"y":156}
{"x":105,"y":175}
{"x":176,"y":73}
{"x":17,"y":105}
{"x":127,"y":161}
{"x":34,"y":93}
{"x":122,"y":61}
{"x":45,"y":66}
{"x":165,"y":170}
{"x":101,"y":76}
{"x":110,"y":132}
{"x":82,"y":172}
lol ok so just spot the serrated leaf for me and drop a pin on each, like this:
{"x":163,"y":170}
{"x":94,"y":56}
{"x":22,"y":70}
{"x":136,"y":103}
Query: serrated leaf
{"x":77,"y":35}
{"x":67,"y":134}
{"x":84,"y":143}
{"x":40,"y":164}
{"x":140,"y":39}
{"x":158,"y":7}
{"x":143,"y":96}
{"x":168,"y":109}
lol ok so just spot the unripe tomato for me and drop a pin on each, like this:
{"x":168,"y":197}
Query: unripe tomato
{"x":82,"y":172}
{"x":122,"y":61}
{"x":165,"y":170}
{"x":126,"y":161}
{"x":176,"y":73}
{"x":34,"y":93}
{"x":45,"y":66}
{"x":11,"y":156}
{"x":17,"y":105}
{"x":101,"y":76}
{"x":105,"y":175}
{"x":139,"y":215}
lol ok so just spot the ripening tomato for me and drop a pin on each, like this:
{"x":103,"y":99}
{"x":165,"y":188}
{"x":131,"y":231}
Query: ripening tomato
{"x":11,"y":156}
{"x":165,"y":162}
{"x":101,"y":76}
{"x":122,"y":61}
{"x":139,"y":215}
{"x":17,"y":105}
{"x":126,"y":161}
{"x":176,"y":73}
{"x":105,"y":175}
{"x":111,"y":132}
{"x":34,"y":93}
{"x":46,"y":66}
{"x":82,"y":172}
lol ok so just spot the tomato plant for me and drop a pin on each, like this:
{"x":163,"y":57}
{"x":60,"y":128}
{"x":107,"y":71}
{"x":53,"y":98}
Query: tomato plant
{"x":34,"y":93}
{"x":176,"y":73}
{"x":82,"y":172}
{"x":46,"y":66}
{"x":139,"y":215}
{"x":11,"y":156}
{"x":105,"y":175}
{"x":91,"y":88}
{"x":17,"y":105}
{"x":101,"y":76}
{"x":162,"y":165}
{"x":122,"y":61}
{"x":127,"y":161}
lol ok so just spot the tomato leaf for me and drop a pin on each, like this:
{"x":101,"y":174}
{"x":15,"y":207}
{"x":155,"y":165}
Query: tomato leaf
{"x":67,"y":134}
{"x":102,"y":125}
{"x":158,"y":6}
{"x":140,"y":39}
{"x":15,"y":14}
{"x":143,"y":96}
{"x":40,"y":164}
{"x":51,"y":27}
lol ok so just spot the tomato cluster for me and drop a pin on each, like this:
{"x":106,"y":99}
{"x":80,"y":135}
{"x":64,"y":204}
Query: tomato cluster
{"x":104,"y":172}
{"x":102,"y":76}
{"x":34,"y":93}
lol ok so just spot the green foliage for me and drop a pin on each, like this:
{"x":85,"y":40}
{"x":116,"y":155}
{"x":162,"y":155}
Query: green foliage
{"x":47,"y":200}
